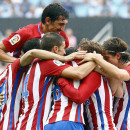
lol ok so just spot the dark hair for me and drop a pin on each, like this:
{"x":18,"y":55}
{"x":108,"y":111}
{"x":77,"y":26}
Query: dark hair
{"x":70,"y":50}
{"x":53,"y":11}
{"x":90,"y":46}
{"x":33,"y":43}
{"x":116,"y":45}
{"x":51,"y":39}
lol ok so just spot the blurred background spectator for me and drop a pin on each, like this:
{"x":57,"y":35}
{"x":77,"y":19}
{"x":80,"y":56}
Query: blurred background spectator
{"x":71,"y":37}
{"x":2,"y":66}
{"x":76,"y":8}
{"x":2,"y":36}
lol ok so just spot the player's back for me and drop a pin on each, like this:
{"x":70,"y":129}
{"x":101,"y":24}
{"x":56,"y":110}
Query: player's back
{"x":65,"y":109}
{"x":12,"y":88}
{"x":36,"y":95}
{"x":121,"y":109}
{"x":99,"y":108}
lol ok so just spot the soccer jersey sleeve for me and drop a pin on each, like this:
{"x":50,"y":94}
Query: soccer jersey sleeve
{"x":53,"y":67}
{"x":16,"y":40}
{"x":86,"y":88}
{"x":62,"y":33}
{"x":15,"y":66}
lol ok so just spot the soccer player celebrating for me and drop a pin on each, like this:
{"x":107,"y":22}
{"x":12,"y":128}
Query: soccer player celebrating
{"x":118,"y":67}
{"x":37,"y":85}
{"x":53,"y":19}
{"x":11,"y":81}
{"x":67,"y":113}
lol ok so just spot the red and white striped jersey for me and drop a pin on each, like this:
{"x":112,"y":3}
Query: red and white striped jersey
{"x":99,"y":108}
{"x":11,"y":85}
{"x":122,"y":107}
{"x":64,"y":108}
{"x":36,"y":95}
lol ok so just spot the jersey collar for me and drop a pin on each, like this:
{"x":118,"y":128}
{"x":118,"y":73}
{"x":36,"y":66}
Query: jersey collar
{"x":40,"y":28}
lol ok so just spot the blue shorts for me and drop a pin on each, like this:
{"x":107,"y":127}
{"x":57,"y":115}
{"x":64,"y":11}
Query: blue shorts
{"x":64,"y":125}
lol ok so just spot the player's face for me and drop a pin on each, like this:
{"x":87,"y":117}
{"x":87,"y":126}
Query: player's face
{"x":110,"y":58}
{"x":58,"y":25}
{"x":61,"y":49}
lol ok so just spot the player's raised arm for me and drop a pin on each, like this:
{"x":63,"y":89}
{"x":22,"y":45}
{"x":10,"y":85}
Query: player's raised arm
{"x":4,"y":56}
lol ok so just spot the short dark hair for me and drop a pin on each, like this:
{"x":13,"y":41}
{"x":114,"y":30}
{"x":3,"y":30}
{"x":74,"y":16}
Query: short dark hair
{"x":33,"y":43}
{"x":70,"y":50}
{"x":53,"y":11}
{"x":51,"y":39}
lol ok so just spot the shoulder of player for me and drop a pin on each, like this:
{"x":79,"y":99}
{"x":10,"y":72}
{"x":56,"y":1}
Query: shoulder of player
{"x":29,"y":28}
{"x":52,"y":62}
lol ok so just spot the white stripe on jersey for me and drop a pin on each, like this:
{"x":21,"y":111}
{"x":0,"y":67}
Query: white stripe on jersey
{"x":22,"y":117}
{"x":122,"y":113}
{"x":6,"y":116}
{"x":63,"y":106}
{"x":111,"y":105}
{"x":3,"y":74}
{"x":101,"y":90}
{"x":35,"y":94}
{"x":67,"y":110}
{"x":18,"y":99}
{"x":48,"y":104}
{"x":73,"y":111}
{"x":74,"y":105}
{"x":101,"y":109}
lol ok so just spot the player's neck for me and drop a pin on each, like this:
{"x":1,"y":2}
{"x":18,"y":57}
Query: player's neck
{"x":44,"y":29}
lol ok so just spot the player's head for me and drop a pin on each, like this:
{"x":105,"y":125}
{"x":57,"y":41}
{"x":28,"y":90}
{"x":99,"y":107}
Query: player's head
{"x":53,"y":42}
{"x":89,"y":46}
{"x":55,"y":17}
{"x":33,"y":43}
{"x":115,"y":50}
{"x":70,"y":50}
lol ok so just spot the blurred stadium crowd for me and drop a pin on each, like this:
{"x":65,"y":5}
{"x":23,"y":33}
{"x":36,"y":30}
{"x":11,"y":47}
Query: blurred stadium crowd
{"x":76,"y":8}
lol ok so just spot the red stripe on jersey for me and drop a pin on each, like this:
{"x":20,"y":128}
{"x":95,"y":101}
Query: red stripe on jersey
{"x":107,"y":106}
{"x":67,"y":110}
{"x":119,"y":110}
{"x":30,"y":101}
{"x":122,"y":126}
{"x":57,"y":107}
{"x":76,"y":116}
{"x":43,"y":107}
{"x":93,"y":111}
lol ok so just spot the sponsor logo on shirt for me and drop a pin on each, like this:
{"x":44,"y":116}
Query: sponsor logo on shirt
{"x":15,"y":39}
{"x":58,"y":63}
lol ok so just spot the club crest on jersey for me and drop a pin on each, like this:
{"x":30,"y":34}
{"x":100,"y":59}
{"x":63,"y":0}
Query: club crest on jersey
{"x":57,"y":93}
{"x":58,"y":63}
{"x":15,"y":39}
{"x":87,"y":102}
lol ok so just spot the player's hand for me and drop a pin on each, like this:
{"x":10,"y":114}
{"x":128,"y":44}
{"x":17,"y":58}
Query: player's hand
{"x":91,"y":57}
{"x":88,"y":57}
{"x":76,"y":55}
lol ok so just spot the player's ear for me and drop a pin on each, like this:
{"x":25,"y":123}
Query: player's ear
{"x":118,"y":55}
{"x":47,"y":20}
{"x":55,"y":49}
